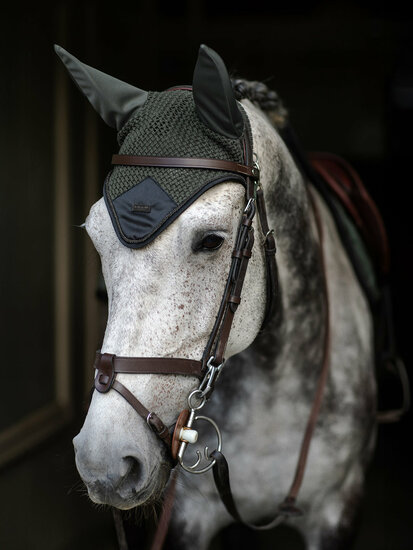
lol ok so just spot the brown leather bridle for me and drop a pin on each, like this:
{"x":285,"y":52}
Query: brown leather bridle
{"x":109,"y":365}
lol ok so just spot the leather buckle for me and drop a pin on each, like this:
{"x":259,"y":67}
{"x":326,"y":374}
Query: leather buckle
{"x":155,"y":423}
{"x":106,"y":373}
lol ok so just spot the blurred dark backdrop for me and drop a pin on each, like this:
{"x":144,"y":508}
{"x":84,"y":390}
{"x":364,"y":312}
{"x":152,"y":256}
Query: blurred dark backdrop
{"x":345,"y":72}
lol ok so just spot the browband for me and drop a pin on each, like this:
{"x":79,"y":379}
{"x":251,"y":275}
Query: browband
{"x":180,"y":162}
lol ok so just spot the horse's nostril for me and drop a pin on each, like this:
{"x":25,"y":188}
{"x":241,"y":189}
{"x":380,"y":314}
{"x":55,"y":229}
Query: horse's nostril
{"x":131,"y":468}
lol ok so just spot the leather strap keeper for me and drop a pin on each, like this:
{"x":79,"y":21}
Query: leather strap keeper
{"x":159,"y":428}
{"x":237,"y":254}
{"x":270,"y":247}
{"x":106,"y":373}
{"x":246,"y":221}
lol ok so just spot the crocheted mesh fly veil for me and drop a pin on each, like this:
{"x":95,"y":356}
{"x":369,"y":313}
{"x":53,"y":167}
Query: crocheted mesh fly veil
{"x":204,"y":121}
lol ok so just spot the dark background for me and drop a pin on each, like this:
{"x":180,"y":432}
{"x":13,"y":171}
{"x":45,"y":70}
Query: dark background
{"x":345,"y":73}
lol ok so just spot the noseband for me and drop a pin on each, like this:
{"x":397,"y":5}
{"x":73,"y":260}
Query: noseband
{"x":109,"y":365}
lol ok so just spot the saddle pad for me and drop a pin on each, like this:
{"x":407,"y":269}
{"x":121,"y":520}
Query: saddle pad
{"x":346,"y":184}
{"x":365,"y":235}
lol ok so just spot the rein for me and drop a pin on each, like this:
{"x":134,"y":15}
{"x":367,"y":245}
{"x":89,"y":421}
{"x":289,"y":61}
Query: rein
{"x":287,"y":508}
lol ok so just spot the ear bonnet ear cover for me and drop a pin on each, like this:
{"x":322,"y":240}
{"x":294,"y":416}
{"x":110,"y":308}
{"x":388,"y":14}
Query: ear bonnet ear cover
{"x":113,"y":99}
{"x":204,"y":123}
{"x":143,"y":201}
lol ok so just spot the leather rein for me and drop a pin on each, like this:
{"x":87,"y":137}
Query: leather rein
{"x":207,"y":370}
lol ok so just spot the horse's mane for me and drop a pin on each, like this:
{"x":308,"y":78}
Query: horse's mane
{"x":264,"y":98}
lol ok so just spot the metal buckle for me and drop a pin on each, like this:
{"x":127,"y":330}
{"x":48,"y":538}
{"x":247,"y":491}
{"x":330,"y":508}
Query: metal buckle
{"x":249,"y":205}
{"x":152,"y":426}
{"x":207,"y":384}
{"x":148,"y":419}
{"x":256,"y":169}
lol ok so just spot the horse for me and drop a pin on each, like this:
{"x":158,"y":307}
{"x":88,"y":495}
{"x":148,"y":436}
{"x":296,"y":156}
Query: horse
{"x":163,"y":299}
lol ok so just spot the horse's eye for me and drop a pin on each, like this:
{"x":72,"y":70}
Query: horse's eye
{"x":210,"y":242}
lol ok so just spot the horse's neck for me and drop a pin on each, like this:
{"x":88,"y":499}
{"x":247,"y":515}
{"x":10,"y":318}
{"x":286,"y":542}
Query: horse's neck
{"x":294,"y":338}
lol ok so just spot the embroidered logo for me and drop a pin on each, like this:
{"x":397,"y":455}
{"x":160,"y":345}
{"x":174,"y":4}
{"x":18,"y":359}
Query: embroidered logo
{"x":141,"y":208}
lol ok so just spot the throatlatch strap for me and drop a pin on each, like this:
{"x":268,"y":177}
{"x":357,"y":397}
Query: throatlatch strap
{"x":270,"y":263}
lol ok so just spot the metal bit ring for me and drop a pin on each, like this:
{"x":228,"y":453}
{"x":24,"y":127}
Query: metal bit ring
{"x":201,"y":397}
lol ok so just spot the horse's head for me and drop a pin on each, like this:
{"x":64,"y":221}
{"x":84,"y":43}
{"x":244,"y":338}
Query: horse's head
{"x":165,"y":237}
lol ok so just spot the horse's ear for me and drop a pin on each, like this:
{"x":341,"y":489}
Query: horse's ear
{"x":213,"y":95}
{"x":113,"y":99}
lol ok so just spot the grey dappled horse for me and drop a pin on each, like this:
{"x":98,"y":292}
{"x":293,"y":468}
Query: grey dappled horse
{"x":163,"y":300}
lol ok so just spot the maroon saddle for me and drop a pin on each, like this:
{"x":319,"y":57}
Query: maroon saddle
{"x":347,"y":186}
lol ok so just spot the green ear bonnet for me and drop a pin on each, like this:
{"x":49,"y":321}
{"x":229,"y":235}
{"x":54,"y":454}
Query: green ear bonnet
{"x":203,"y":121}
